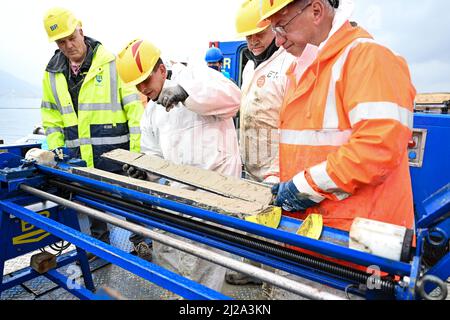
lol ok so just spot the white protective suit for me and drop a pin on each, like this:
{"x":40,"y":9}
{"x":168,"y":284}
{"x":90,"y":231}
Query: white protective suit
{"x":262,"y":96}
{"x":262,"y":90}
{"x":200,"y":133}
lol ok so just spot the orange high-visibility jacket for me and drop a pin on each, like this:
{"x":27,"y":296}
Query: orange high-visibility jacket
{"x":345,"y":127}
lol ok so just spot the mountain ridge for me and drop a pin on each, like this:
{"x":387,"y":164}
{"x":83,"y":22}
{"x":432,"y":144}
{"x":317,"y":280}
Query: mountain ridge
{"x":13,"y":87}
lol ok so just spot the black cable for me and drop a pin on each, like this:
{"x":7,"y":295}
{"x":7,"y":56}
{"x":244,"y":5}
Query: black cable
{"x":245,"y":241}
{"x":58,"y":248}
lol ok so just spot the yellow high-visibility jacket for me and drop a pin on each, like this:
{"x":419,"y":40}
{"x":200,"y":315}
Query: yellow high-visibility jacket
{"x":108,"y":115}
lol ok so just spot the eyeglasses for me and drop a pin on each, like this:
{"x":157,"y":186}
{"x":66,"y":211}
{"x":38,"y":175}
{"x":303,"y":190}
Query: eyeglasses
{"x":281,"y":30}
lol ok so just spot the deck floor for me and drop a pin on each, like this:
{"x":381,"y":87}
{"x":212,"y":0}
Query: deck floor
{"x":106,"y":275}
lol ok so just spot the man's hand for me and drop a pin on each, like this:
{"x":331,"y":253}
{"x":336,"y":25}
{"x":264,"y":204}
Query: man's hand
{"x":59,"y":153}
{"x":133,"y":172}
{"x":170,"y":97}
{"x":136,"y":173}
{"x":290,"y":199}
{"x":271,"y":180}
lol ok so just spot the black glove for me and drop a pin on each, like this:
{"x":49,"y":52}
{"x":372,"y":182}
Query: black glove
{"x":134,"y":172}
{"x":169,"y":97}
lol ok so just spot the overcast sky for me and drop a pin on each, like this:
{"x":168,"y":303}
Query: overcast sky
{"x":417,"y":30}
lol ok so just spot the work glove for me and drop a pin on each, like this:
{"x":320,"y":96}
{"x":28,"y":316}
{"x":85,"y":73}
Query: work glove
{"x":271,"y":180}
{"x":290,"y":199}
{"x":170,"y":97}
{"x":38,"y":156}
{"x":134,"y":172}
{"x":59,"y":153}
{"x":164,"y":181}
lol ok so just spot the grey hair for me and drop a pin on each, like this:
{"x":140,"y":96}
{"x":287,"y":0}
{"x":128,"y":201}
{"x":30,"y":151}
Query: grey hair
{"x":326,"y":4}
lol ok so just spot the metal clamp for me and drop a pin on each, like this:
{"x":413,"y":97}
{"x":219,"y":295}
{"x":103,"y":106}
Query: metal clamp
{"x":433,"y":280}
{"x":440,"y":238}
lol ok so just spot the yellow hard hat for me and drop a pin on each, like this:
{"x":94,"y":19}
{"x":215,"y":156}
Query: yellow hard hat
{"x":136,"y":61}
{"x":59,"y":23}
{"x":248,"y":16}
{"x":270,"y":7}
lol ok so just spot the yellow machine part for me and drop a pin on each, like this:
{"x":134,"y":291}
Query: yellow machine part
{"x":271,"y":217}
{"x":312,"y":227}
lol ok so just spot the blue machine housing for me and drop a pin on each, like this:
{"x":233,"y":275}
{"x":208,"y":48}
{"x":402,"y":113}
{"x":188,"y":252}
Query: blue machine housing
{"x":434,"y":174}
{"x":234,"y":58}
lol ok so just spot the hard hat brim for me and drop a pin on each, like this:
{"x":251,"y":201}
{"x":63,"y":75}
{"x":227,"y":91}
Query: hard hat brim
{"x":139,"y":80}
{"x":270,"y":13}
{"x":65,"y":34}
{"x":263,"y":22}
{"x":261,"y":28}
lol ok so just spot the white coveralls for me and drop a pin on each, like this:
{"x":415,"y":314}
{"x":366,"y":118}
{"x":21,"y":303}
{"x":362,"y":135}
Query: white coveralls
{"x":199,"y":133}
{"x":262,"y":90}
{"x":262,"y":96}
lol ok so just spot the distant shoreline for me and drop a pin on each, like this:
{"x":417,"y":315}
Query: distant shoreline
{"x":18,"y":117}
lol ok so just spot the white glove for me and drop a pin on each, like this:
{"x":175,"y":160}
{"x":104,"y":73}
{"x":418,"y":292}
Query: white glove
{"x":41,"y":157}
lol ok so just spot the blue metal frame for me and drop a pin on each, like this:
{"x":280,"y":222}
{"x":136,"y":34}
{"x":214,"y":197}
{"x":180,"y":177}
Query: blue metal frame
{"x":327,"y":249}
{"x":18,"y":149}
{"x":291,"y":225}
{"x":58,"y":278}
{"x":431,"y":176}
{"x":434,"y":209}
{"x":24,"y":236}
{"x":161,"y":277}
{"x":440,"y":270}
{"x":433,"y":218}
{"x":29,"y":239}
{"x":410,"y":292}
{"x":241,"y":251}
{"x":435,"y":213}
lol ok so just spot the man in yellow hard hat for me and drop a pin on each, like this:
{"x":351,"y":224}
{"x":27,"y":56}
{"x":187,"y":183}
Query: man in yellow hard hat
{"x":188,"y":121}
{"x":346,"y":118}
{"x":263,"y":88}
{"x":85,"y":106}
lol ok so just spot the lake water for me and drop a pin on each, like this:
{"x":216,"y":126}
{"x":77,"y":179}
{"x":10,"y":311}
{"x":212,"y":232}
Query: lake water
{"x":18,"y":117}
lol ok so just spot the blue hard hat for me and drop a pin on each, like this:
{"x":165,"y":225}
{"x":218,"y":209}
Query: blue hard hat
{"x":213,"y":55}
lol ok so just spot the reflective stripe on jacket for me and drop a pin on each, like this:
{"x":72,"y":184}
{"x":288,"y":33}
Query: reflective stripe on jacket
{"x":345,"y":129}
{"x":263,"y":89}
{"x":108,"y":113}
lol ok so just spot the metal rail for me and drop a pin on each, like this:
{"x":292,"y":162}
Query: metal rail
{"x":234,"y":237}
{"x":320,"y":247}
{"x":269,"y":277}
